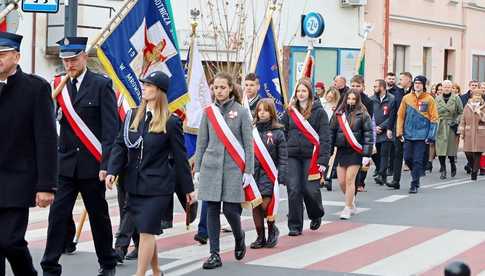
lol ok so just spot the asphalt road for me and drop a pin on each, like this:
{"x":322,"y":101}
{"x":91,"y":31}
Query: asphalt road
{"x":394,"y":233}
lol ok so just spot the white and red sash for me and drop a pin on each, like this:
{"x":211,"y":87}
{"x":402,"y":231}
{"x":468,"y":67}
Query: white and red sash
{"x":307,"y":130}
{"x":349,"y":135}
{"x":123,"y":105}
{"x":235,"y":150}
{"x":80,"y":128}
{"x":269,"y":167}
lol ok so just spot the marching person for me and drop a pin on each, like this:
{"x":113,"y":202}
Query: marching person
{"x":472,"y":129}
{"x":352,"y":135}
{"x":307,"y":133}
{"x":150,"y":134}
{"x":89,"y":100}
{"x":320,"y":89}
{"x":273,"y":138}
{"x":449,"y":111}
{"x":251,"y":88}
{"x":28,"y":153}
{"x":220,"y":179}
{"x":330,"y":101}
{"x":384,"y":107}
{"x":416,"y":126}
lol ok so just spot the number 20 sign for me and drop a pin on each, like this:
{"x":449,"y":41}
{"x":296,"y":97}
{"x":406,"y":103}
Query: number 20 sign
{"x":313,"y":25}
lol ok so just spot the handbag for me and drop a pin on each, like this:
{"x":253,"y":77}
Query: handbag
{"x":454,"y":127}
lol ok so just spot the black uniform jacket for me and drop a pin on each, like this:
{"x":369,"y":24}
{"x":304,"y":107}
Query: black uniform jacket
{"x":298,"y":145}
{"x":148,"y":169}
{"x":384,"y":115}
{"x":95,"y":102}
{"x":361,"y":125}
{"x":28,"y":155}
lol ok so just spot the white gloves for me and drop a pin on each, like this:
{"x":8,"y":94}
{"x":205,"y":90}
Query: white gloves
{"x":196,"y":178}
{"x":246,"y":179}
{"x":366,"y":161}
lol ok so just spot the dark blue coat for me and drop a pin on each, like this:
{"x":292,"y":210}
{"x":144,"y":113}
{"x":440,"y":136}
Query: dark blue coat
{"x":28,"y":155}
{"x":148,"y":169}
{"x":95,"y":103}
{"x":384,"y":115}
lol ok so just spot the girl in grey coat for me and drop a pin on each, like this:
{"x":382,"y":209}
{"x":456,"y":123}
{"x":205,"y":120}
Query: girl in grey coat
{"x":217,"y":175}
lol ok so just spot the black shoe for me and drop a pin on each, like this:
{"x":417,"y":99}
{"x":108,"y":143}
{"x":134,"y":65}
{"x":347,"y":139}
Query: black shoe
{"x":70,"y":248}
{"x":453,"y":169}
{"x":260,"y":242}
{"x":294,"y":233}
{"x":240,"y":250}
{"x":328,"y":184}
{"x":133,"y":255}
{"x":429,"y":166}
{"x":443,"y":175}
{"x":474,"y":175}
{"x":214,"y":261}
{"x":273,"y":234}
{"x":413,"y":190}
{"x":107,"y":272}
{"x":378,"y":180}
{"x":315,"y":224}
{"x":201,"y":239}
{"x":120,"y":253}
{"x":394,"y":185}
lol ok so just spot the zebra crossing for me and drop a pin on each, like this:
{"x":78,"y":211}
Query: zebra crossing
{"x":338,"y":246}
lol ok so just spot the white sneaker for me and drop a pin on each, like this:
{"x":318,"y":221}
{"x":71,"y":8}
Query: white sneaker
{"x":346,"y":213}
{"x":353,"y":210}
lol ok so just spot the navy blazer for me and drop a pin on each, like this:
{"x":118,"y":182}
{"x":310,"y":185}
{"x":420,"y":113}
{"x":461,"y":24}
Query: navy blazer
{"x":95,"y":102}
{"x":148,"y":169}
{"x":384,"y":114}
{"x":28,"y":155}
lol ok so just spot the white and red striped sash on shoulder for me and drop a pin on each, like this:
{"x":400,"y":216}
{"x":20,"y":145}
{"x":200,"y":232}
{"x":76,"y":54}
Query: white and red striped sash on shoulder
{"x":235,"y":150}
{"x":123,"y":105}
{"x":82,"y":131}
{"x":307,"y":130}
{"x":349,"y":135}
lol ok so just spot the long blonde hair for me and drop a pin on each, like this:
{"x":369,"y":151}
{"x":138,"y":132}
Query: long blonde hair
{"x":161,"y":114}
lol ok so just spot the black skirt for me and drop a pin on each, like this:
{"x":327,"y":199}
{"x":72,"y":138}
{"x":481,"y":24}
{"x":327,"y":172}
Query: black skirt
{"x":147,"y":212}
{"x":347,"y":157}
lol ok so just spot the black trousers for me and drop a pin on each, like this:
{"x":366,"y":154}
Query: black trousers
{"x":93,"y":195}
{"x":396,"y":159}
{"x":381,"y":158}
{"x":232,"y":212}
{"x":301,"y":190}
{"x":127,"y":230}
{"x":473,"y":159}
{"x":13,"y":246}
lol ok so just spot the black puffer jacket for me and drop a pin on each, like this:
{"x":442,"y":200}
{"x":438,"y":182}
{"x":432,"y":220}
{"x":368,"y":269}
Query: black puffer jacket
{"x":361,"y":127}
{"x":275,"y":142}
{"x":298,"y":145}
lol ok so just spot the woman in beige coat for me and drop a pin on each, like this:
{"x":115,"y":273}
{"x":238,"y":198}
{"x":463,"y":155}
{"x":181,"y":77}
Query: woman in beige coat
{"x":472,"y":130}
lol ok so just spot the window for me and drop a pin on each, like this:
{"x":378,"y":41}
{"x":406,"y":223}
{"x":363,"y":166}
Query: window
{"x":427,"y":61}
{"x":478,"y":68}
{"x":400,"y":52}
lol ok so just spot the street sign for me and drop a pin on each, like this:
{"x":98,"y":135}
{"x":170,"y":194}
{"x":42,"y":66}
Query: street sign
{"x":41,"y":6}
{"x":313,"y":25}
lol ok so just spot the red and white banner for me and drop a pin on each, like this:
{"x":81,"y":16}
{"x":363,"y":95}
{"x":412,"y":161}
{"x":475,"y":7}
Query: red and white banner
{"x":80,"y":128}
{"x":123,"y":105}
{"x":349,"y":135}
{"x":307,"y":130}
{"x":235,"y":150}
{"x":307,"y":70}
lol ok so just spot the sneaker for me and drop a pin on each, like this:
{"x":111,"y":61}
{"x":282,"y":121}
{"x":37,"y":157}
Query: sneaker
{"x":346,"y":213}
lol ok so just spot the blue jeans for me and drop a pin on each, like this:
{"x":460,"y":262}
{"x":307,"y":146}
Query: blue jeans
{"x":414,"y":156}
{"x":202,"y":227}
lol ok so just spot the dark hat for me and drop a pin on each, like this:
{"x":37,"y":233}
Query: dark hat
{"x":421,"y":79}
{"x":72,"y":46}
{"x":9,"y":41}
{"x":159,"y":79}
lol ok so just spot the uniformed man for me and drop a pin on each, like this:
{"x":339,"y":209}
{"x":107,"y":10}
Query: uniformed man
{"x":89,"y":101}
{"x":28,"y":171}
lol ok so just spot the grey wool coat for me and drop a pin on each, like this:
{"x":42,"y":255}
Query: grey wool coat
{"x":220,"y":177}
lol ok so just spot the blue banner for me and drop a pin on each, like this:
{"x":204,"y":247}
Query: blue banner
{"x":142,"y":43}
{"x":267,"y":68}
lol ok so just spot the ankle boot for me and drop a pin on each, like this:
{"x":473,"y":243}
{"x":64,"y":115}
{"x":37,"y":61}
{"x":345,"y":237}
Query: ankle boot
{"x":260,"y":241}
{"x":443,"y":174}
{"x":474,"y":175}
{"x":453,"y":169}
{"x":273,"y":234}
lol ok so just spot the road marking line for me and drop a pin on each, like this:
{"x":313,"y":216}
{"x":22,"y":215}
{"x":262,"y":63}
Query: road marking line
{"x":453,"y":184}
{"x":305,"y":255}
{"x":424,"y":256}
{"x":359,"y":210}
{"x":392,"y":198}
{"x":427,"y":186}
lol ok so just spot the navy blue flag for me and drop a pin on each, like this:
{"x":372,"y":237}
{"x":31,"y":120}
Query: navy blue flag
{"x":268,"y":70}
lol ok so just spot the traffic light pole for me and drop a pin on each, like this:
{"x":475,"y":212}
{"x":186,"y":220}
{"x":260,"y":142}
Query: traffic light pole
{"x":70,"y":18}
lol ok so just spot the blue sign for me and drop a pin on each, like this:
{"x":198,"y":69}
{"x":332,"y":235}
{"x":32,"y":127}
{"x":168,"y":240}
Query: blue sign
{"x":41,"y":6}
{"x":313,"y":25}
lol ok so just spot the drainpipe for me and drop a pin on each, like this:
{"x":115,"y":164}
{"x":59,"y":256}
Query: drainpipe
{"x":386,"y":36}
{"x":34,"y":39}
